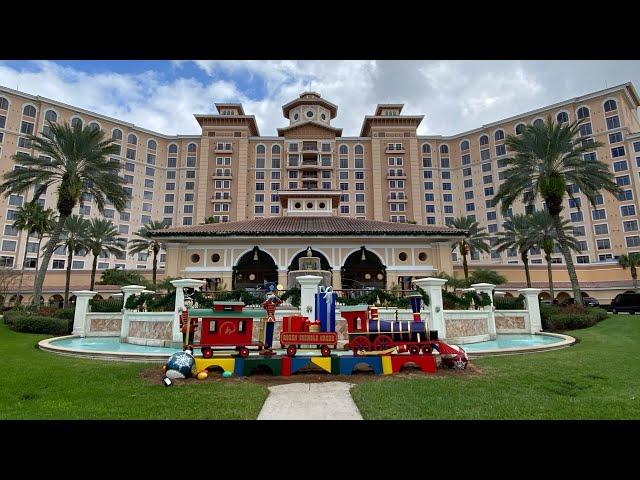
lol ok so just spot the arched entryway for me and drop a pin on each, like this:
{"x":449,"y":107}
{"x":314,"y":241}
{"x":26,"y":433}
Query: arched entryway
{"x":324,"y":263}
{"x":562,"y":296}
{"x":56,"y":301}
{"x":363,"y":269}
{"x":545,"y":296}
{"x":253,"y":269}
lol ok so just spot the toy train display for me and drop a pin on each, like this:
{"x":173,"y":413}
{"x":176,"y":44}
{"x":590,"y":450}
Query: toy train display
{"x":229,"y":325}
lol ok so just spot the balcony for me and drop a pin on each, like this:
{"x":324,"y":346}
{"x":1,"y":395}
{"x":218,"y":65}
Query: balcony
{"x":310,"y":147}
{"x":224,"y":174}
{"x":216,"y":198}
{"x":393,"y":150}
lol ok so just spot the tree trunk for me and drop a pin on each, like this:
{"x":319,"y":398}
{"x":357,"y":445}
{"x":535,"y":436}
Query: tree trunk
{"x":53,"y":240}
{"x":67,"y":280}
{"x":93,"y":271}
{"x":155,"y":267}
{"x":547,"y":257}
{"x":634,"y":275}
{"x":38,"y":254}
{"x":571,"y":269}
{"x":24,"y":259}
{"x":525,"y":259}
{"x":465,"y":266}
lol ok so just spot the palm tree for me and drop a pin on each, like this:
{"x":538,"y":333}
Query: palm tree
{"x":72,"y":238}
{"x":631,"y":261}
{"x":475,"y":240}
{"x":517,"y":234}
{"x":147,"y":244}
{"x":209,"y":220}
{"x":102,"y":237}
{"x":74,"y":161}
{"x":36,"y":221}
{"x":546,"y":158}
{"x":543,"y":235}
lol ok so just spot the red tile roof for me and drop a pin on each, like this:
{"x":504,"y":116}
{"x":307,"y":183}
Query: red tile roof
{"x":308,"y":226}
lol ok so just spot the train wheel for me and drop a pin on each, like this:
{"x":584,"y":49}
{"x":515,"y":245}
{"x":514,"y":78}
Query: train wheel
{"x":414,"y":350}
{"x":360,"y":343}
{"x":325,"y":351}
{"x":382,"y":342}
{"x":243,"y":352}
{"x":426,"y":349}
{"x":207,"y":352}
{"x":291,"y":350}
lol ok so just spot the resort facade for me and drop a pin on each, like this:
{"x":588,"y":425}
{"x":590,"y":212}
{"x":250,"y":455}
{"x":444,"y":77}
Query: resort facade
{"x":386,"y":174}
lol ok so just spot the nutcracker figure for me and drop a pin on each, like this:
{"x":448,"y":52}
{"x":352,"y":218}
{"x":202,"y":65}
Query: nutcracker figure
{"x":270,"y":305}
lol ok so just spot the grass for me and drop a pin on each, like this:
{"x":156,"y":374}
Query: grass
{"x":39,"y":385}
{"x":599,"y":378}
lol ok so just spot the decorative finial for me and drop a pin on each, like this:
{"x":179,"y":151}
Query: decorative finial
{"x":309,"y":254}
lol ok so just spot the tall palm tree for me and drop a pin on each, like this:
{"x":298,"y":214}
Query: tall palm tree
{"x":72,"y":238}
{"x":475,"y":240}
{"x":543,"y":235}
{"x":102,"y":237}
{"x":36,"y":220}
{"x":145,"y":243}
{"x":631,"y":261}
{"x":517,"y":234}
{"x":546,"y":157}
{"x":74,"y":160}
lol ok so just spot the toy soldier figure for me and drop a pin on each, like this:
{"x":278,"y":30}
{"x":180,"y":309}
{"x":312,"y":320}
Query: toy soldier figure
{"x":270,"y":305}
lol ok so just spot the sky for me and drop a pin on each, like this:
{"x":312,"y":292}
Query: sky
{"x":454,"y":96}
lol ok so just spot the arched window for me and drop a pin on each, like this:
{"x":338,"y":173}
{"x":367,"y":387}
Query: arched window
{"x":192,"y":147}
{"x":538,"y":122}
{"x":260,"y":150}
{"x":51,"y":116}
{"x":275,"y":150}
{"x":519,"y":128}
{"x":29,"y":111}
{"x":76,"y":122}
{"x":583,"y":112}
{"x":116,"y":134}
{"x":562,"y":117}
{"x":359,"y":150}
{"x":610,"y":106}
{"x":152,"y":145}
{"x":464,"y":145}
{"x":444,"y":149}
{"x":4,"y":103}
{"x":173,"y":148}
{"x":94,"y":125}
{"x":426,"y":148}
{"x":132,"y":139}
{"x":499,"y":135}
{"x":344,"y":150}
{"x":484,"y":140}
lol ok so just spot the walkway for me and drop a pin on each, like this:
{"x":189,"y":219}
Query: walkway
{"x":310,"y":401}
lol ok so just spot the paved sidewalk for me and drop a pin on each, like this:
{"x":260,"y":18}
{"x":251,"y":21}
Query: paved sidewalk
{"x":310,"y":401}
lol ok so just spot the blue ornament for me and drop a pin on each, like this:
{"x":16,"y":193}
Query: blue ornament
{"x":226,"y":374}
{"x":181,"y":365}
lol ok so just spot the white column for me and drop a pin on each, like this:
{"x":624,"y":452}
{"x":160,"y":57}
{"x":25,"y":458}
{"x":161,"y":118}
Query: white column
{"x":80,"y":321}
{"x":433,"y":287}
{"x":308,"y":289}
{"x":533,"y":307}
{"x":127,"y":291}
{"x":180,"y":285}
{"x":488,"y":289}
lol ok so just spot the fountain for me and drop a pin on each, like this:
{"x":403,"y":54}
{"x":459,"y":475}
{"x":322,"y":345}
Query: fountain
{"x":308,"y":265}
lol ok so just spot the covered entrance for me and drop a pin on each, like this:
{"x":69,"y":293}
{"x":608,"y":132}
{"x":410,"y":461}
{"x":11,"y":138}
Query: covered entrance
{"x":363,"y":269}
{"x":254,"y":269}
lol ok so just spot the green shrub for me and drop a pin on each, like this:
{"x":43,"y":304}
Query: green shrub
{"x":104,"y":306}
{"x":65,"y":313}
{"x":39,"y":324}
{"x":556,"y":318}
{"x":508,"y":303}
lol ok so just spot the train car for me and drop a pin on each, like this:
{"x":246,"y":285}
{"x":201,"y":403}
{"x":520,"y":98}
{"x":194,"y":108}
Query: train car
{"x":298,"y":331}
{"x":226,"y":325}
{"x":369,"y":333}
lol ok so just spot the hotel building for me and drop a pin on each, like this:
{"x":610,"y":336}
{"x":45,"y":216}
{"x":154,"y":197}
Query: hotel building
{"x":388,"y":173}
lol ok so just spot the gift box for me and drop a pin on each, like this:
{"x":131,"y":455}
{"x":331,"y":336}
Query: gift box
{"x":293,"y":323}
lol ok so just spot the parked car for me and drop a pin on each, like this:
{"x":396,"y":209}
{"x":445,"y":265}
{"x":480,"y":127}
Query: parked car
{"x":626,"y":302}
{"x":586,"y":301}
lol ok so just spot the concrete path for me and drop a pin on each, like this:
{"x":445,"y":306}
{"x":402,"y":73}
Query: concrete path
{"x":310,"y":401}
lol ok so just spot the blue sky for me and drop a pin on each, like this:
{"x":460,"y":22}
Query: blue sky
{"x":454,"y":96}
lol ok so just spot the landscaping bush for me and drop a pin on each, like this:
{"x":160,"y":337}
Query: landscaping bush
{"x":40,"y":324}
{"x":105,"y":306}
{"x":508,"y":303}
{"x":65,"y":313}
{"x":556,"y":318}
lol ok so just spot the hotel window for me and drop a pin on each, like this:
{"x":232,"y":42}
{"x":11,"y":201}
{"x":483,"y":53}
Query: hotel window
{"x":492,"y":228}
{"x":344,"y":175}
{"x":429,"y":197}
{"x":148,"y":183}
{"x":583,"y":112}
{"x":562,"y":117}
{"x":191,"y":162}
{"x":485,"y":154}
{"x":630,"y":225}
{"x":344,"y":208}
{"x":582,"y":259}
{"x":610,"y":106}
{"x":431,"y":220}
{"x":26,"y":128}
{"x":344,"y":197}
{"x":487,"y":179}
{"x":446,"y":186}
{"x":132,"y":139}
{"x":464,"y":145}
{"x":448,"y":209}
{"x":468,"y":183}
{"x":501,"y":150}
{"x":468,"y":195}
{"x":359,"y":150}
{"x":172,"y":162}
{"x":484,"y":140}
{"x":633,"y":241}
{"x":575,"y":203}
{"x":146,"y":207}
{"x":275,"y":162}
{"x":150,"y":171}
{"x":428,"y":185}
{"x":187,"y":221}
{"x":613,"y":122}
{"x":131,"y":154}
{"x":260,"y":161}
{"x":620,"y":166}
{"x":84,"y":210}
{"x":275,"y":175}
{"x":488,"y":191}
{"x":58,"y":265}
{"x":429,"y":174}
{"x":590,"y":157}
{"x":293,"y":174}
{"x":293,"y":160}
{"x":444,"y":149}
{"x":430,"y":208}
{"x":4,"y":104}
{"x":259,"y":186}
{"x":576,"y":217}
{"x":192,"y":147}
{"x":519,"y":128}
{"x":486,"y":167}
{"x":470,"y":207}
{"x":359,"y":186}
{"x":128,"y":179}
{"x":170,"y":186}
{"x":579,"y":231}
{"x":615,"y":137}
{"x":258,"y":209}
{"x":623,"y":180}
{"x":466,"y":159}
{"x":617,"y":152}
{"x":538,"y":122}
{"x":603,"y":244}
{"x":585,"y":130}
{"x":325,"y":160}
{"x":275,"y":186}
{"x":293,"y":147}
{"x":491,"y":215}
{"x":188,"y":197}
{"x":628,"y":210}
{"x":259,"y":175}
{"x":599,"y":214}
{"x":605,"y":257}
{"x":444,"y":163}
{"x":9,"y":245}
{"x":601,"y":229}
{"x":275,"y":209}
{"x":625,"y":195}
{"x":168,"y":209}
{"x":360,"y":209}
{"x":445,"y":174}
{"x":344,"y":163}
{"x":360,"y":197}
{"x":359,"y":163}
{"x":344,"y":150}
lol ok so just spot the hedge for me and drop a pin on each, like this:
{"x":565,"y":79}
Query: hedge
{"x":508,"y":303}
{"x":105,"y":306}
{"x":39,"y":324}
{"x":556,"y":318}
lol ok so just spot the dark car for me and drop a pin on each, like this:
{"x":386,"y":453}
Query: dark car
{"x":626,"y":302}
{"x":586,"y":301}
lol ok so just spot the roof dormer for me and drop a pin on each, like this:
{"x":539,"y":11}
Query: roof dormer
{"x":229,"y":108}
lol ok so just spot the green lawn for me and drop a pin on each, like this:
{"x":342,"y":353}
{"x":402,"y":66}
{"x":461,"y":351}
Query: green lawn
{"x":39,"y":385}
{"x":599,"y":378}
